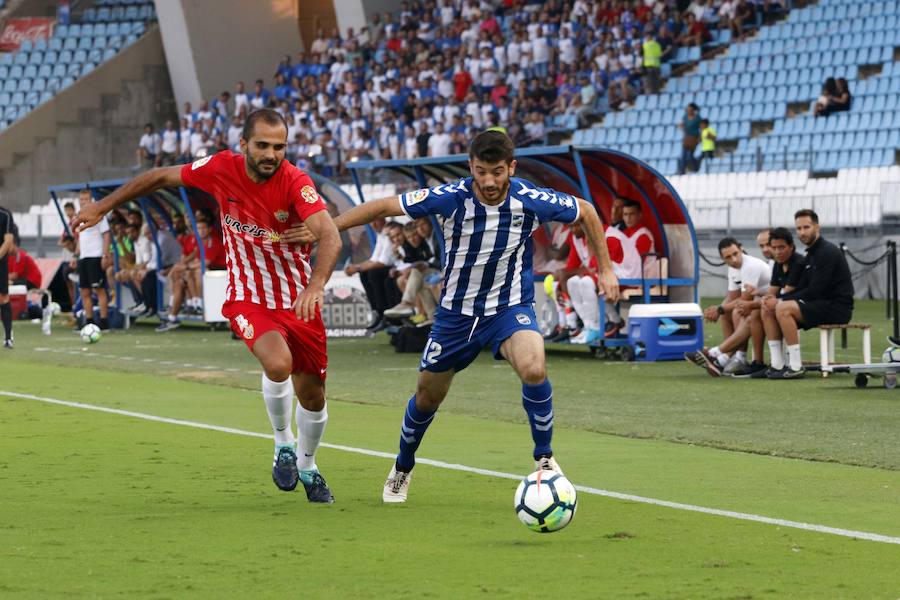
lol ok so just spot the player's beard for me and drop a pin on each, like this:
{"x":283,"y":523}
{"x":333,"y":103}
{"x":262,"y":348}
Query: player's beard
{"x":255,"y":167}
{"x":499,"y":196}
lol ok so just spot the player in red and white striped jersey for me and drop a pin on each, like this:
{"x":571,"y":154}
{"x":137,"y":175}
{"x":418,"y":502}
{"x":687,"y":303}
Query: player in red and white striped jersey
{"x":273,"y":294}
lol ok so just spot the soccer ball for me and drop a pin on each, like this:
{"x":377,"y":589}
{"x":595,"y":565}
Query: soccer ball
{"x":891,"y":355}
{"x":90,"y":333}
{"x":545,"y":501}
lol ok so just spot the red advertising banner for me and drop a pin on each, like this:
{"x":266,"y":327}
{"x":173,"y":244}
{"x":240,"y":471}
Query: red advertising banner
{"x":21,"y":29}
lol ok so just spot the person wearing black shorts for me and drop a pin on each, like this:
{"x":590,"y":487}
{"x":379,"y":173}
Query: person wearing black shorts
{"x":824,"y":294}
{"x":7,"y":246}
{"x":93,"y":247}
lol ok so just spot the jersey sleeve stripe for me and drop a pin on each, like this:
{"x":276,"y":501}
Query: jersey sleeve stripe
{"x":402,"y":198}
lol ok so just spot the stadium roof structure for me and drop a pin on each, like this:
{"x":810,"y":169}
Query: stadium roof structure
{"x":596,"y":174}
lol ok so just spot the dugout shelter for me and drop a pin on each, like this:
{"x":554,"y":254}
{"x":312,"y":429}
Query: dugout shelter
{"x":596,"y":174}
{"x":166,"y":202}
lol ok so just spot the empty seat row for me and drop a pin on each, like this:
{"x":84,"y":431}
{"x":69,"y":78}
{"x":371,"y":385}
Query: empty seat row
{"x":144,"y":12}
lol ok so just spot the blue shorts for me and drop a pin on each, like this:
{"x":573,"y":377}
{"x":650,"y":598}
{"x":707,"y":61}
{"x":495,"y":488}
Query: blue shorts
{"x":456,"y":340}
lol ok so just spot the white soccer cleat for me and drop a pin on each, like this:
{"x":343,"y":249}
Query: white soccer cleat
{"x":547,"y":463}
{"x":396,"y":487}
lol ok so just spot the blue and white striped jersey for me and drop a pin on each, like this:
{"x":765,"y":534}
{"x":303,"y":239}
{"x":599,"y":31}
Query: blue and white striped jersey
{"x":488,"y":248}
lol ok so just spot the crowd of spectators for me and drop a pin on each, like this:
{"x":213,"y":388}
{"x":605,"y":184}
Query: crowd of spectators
{"x":422,"y":81}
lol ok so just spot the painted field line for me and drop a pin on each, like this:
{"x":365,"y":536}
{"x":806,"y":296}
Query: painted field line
{"x":850,"y":533}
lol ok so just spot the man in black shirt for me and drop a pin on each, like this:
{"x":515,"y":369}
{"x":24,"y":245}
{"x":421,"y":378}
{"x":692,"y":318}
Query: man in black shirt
{"x":7,"y":246}
{"x":419,"y":261}
{"x":823,"y":295}
{"x":786,"y":277}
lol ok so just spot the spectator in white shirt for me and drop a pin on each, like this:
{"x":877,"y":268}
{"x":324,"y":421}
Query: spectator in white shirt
{"x":241,"y":99}
{"x":149,"y":147}
{"x":169,"y":147}
{"x":439,"y":142}
{"x":567,"y":48}
{"x":184,"y":140}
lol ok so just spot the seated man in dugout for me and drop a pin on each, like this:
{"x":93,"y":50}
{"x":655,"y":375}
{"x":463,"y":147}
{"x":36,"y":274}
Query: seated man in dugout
{"x":632,"y":251}
{"x":418,"y":263}
{"x":824,"y":296}
{"x":787,"y":274}
{"x":740,"y":321}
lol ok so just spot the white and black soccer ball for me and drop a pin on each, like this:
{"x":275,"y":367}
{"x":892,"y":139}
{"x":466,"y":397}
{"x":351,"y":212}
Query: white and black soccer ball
{"x":891,"y":355}
{"x":90,"y":334}
{"x":545,"y":501}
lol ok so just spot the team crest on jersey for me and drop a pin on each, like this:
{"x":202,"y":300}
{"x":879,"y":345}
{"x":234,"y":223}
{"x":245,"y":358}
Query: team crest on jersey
{"x":281,"y":215}
{"x":523,"y":319}
{"x":199,"y":163}
{"x":309,"y":194}
{"x":245,"y":326}
{"x":417,"y":196}
{"x":517,"y":220}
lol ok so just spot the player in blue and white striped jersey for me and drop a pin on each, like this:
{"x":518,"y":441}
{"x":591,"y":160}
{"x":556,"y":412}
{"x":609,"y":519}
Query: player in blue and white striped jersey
{"x":487,"y":222}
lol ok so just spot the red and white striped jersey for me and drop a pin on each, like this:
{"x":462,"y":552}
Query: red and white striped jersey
{"x":261,"y":268}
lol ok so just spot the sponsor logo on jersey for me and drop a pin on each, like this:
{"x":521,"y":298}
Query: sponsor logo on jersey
{"x":281,"y":215}
{"x":309,"y":194}
{"x":249,"y":229}
{"x":199,"y":163}
{"x":523,"y":319}
{"x":273,"y":236}
{"x":245,"y":326}
{"x":416,"y":196}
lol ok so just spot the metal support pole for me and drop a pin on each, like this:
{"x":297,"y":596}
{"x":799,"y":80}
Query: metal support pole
{"x":894,"y":288}
{"x":888,"y":285}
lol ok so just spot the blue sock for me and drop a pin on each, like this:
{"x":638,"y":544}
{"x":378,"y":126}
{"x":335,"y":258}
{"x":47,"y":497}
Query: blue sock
{"x":415,"y":423}
{"x":538,"y":403}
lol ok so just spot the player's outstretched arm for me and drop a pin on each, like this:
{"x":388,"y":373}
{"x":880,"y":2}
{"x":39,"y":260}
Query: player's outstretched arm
{"x":593,"y":228}
{"x":143,"y":184}
{"x":358,"y":215}
{"x":329,"y":248}
{"x":369,"y":211}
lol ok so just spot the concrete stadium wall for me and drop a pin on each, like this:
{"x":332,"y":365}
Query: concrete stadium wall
{"x":88,"y":131}
{"x":209,"y":50}
{"x":356,"y":13}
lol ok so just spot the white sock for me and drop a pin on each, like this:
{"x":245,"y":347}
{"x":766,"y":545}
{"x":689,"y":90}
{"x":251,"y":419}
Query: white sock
{"x":714,"y":352}
{"x":776,"y":356}
{"x":794,"y":357}
{"x":722,"y":359}
{"x":279,"y":397}
{"x":310,"y":427}
{"x":741,"y":355}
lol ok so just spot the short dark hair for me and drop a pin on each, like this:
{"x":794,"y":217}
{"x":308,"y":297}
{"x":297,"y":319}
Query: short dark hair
{"x":266,"y":115}
{"x":69,"y":205}
{"x":492,"y":147}
{"x":632,"y":204}
{"x":726,"y":242}
{"x":807,"y":212}
{"x":704,"y":121}
{"x":783,"y":234}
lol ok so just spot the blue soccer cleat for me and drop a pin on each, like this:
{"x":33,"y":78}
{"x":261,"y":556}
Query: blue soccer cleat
{"x":284,"y":469}
{"x":316,"y":489}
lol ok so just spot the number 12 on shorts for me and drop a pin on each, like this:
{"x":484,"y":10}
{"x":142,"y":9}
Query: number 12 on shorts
{"x":432,"y":352}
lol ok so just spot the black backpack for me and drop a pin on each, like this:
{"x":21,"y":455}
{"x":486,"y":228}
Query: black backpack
{"x":411,"y":338}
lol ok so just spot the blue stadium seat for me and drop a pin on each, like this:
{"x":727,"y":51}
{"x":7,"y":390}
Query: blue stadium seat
{"x":53,"y":84}
{"x":65,"y":57}
{"x":112,"y":29}
{"x":4,"y":72}
{"x":29,"y":72}
{"x":99,"y":29}
{"x":89,"y":15}
{"x":87,"y":30}
{"x":85,"y":43}
{"x":39,"y":84}
{"x":80,"y":56}
{"x":70,"y":44}
{"x":24,"y":85}
{"x":103,"y":14}
{"x":100,"y":43}
{"x":45,"y":71}
{"x":9,"y":86}
{"x":95,"y":56}
{"x":108,"y":54}
{"x":66,"y":82}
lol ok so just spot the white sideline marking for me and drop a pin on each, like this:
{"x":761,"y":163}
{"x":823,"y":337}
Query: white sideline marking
{"x":863,"y":535}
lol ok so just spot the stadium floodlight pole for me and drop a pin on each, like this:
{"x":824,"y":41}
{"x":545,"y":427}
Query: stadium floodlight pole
{"x":893,"y":262}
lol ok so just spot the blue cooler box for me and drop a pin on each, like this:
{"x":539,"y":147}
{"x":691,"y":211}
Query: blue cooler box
{"x":665,"y":331}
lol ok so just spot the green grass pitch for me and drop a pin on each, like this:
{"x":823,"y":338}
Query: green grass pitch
{"x":94,"y":504}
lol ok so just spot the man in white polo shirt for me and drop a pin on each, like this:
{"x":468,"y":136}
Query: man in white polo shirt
{"x":747,"y":275}
{"x":93,"y":245}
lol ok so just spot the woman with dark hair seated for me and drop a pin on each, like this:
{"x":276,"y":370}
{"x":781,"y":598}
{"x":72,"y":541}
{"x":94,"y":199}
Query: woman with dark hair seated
{"x":842,"y":99}
{"x":823,"y":103}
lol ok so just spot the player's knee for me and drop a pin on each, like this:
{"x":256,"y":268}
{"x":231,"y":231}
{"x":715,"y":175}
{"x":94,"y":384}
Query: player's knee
{"x":533,"y":374}
{"x":278,"y":368}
